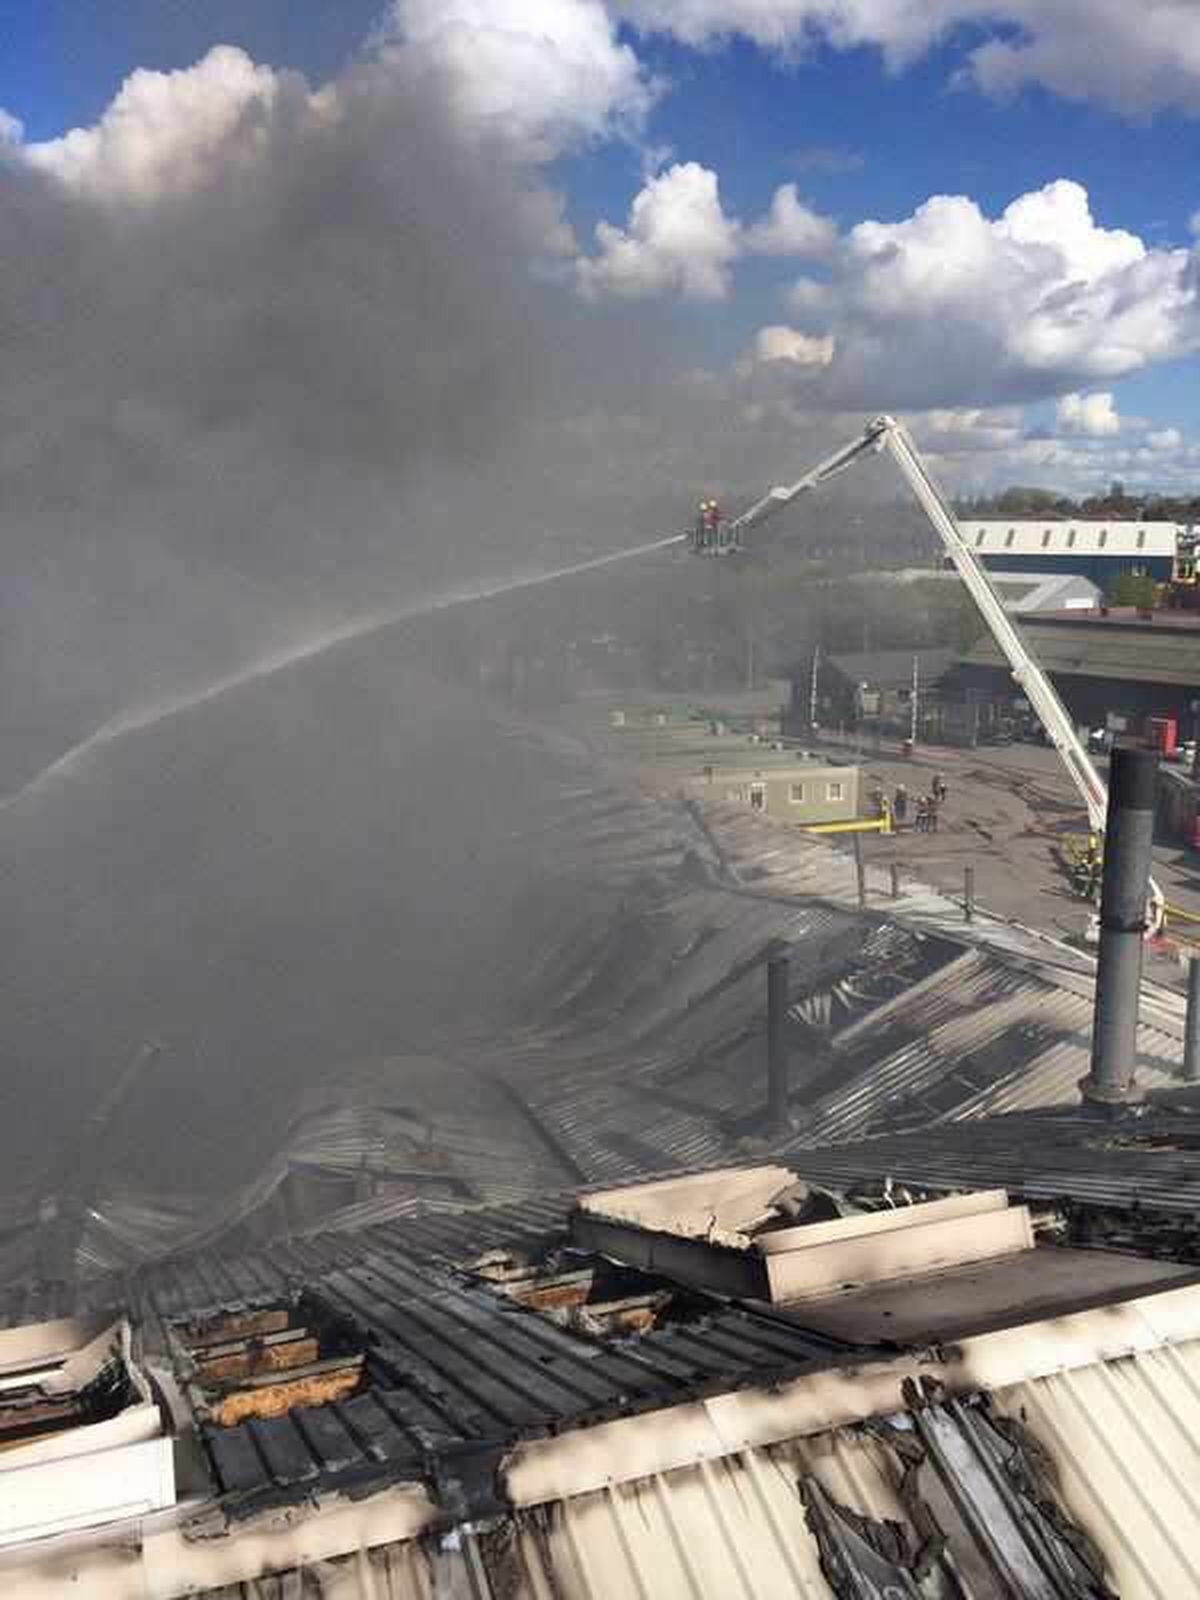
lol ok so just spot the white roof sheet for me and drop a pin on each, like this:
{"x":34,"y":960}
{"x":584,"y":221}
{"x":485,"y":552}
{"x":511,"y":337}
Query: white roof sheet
{"x":1079,"y":538}
{"x":1121,"y":1438}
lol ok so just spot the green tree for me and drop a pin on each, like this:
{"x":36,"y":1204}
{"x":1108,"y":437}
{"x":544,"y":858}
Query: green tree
{"x":1131,"y":589}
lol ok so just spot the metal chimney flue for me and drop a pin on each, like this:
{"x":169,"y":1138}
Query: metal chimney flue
{"x":778,"y":988}
{"x":1191,"y":1035}
{"x":1128,"y":842}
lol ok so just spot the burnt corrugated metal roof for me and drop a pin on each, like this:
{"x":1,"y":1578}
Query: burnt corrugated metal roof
{"x":453,"y":1363}
{"x":1079,"y":1483}
{"x":689,"y":1089}
{"x":995,"y":1038}
{"x":1145,"y":1164}
{"x":416,"y":1569}
{"x":1117,"y":1440}
{"x":457,"y":1370}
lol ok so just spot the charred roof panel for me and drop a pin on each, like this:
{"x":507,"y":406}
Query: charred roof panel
{"x":1151,"y":1164}
{"x":451,"y":1359}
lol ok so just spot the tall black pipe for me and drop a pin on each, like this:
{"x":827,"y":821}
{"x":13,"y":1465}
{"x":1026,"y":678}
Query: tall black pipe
{"x":1128,"y":841}
{"x":1191,"y":1036}
{"x":778,"y":974}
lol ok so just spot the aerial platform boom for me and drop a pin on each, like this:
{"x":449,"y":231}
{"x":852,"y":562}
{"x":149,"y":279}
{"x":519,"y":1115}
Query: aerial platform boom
{"x":885,"y":433}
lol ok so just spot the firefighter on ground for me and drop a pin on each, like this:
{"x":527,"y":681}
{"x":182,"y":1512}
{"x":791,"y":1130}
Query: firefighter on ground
{"x":1090,"y":866}
{"x":900,"y":804}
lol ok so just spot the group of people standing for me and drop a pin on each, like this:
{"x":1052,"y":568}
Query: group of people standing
{"x":925,"y":808}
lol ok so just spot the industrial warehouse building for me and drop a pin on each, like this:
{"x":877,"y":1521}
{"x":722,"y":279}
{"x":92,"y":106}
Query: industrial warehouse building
{"x":1101,"y":551}
{"x":1112,"y":667}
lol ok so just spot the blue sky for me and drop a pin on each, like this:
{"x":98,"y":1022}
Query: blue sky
{"x":1016,"y":361}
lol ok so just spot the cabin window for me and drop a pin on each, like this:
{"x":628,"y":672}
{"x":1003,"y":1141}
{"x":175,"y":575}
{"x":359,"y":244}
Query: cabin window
{"x":834,"y":791}
{"x":796,"y":794}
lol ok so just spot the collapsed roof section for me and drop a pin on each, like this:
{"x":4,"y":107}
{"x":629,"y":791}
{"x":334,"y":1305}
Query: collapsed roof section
{"x":496,"y":1396}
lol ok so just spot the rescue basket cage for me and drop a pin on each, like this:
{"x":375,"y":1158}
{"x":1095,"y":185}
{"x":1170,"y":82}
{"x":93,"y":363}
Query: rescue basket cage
{"x":713,"y":534}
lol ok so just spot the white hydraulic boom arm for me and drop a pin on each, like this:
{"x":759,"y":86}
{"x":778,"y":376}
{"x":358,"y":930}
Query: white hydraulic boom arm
{"x":885,"y":433}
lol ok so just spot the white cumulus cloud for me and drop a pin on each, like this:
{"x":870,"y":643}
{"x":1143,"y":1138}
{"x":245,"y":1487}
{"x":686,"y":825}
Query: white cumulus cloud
{"x":1136,"y":58}
{"x":1092,"y":415}
{"x":949,"y":306}
{"x":677,"y":240}
{"x":780,"y":343}
{"x":791,"y":228}
{"x":161,"y":131}
{"x":544,"y":74}
{"x":1165,"y":439}
{"x":12,"y":129}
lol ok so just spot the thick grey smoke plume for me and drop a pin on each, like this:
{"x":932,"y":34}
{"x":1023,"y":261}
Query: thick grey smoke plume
{"x":245,"y":325}
{"x":276,"y":358}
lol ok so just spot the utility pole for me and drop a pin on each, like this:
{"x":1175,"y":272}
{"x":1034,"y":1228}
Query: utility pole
{"x":860,"y":871}
{"x":812,"y":692}
{"x":916,"y":690}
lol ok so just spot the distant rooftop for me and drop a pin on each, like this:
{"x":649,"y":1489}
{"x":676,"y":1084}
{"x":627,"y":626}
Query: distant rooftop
{"x":881,"y":669}
{"x":1158,"y":618}
{"x":1122,"y":643}
{"x":1014,"y":537}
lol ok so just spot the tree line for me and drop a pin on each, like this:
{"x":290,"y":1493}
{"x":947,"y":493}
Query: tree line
{"x":1114,"y":505}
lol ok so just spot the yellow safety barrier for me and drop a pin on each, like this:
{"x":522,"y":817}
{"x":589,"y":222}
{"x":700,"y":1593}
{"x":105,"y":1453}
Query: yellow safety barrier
{"x":861,"y":825}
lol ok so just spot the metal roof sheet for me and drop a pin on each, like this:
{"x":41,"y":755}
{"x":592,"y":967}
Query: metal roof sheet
{"x":452,"y":1360}
{"x":1078,"y":537}
{"x":1123,"y":1437}
{"x":1113,"y":1446}
{"x":1090,"y":645}
{"x":1119,"y":1441}
{"x":886,"y":668}
{"x":995,"y":1039}
{"x":1151,"y":1165}
{"x":416,"y":1569}
{"x":1055,"y":591}
{"x":688,"y":1091}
